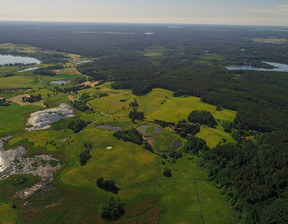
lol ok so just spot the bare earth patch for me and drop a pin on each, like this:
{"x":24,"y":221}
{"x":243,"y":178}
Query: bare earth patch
{"x":42,"y":119}
{"x":12,"y":162}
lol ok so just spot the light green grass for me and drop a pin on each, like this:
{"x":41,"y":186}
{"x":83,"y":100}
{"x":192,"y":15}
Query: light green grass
{"x":13,"y":117}
{"x":8,"y":215}
{"x":150,"y":130}
{"x":178,"y":108}
{"x":112,"y":163}
{"x":215,"y":138}
{"x":179,"y":196}
{"x":166,"y":140}
{"x":18,"y":82}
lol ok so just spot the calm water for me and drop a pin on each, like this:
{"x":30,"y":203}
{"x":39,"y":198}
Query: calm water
{"x":30,"y":69}
{"x":61,"y":82}
{"x":10,"y":59}
{"x":278,"y":67}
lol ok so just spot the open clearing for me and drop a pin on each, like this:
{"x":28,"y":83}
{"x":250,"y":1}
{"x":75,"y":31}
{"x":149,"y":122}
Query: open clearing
{"x":13,"y":117}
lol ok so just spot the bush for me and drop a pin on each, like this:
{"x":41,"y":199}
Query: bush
{"x":202,"y":117}
{"x":107,"y":185}
{"x":112,"y":210}
{"x":77,"y":125}
{"x":167,"y":172}
{"x":84,"y":157}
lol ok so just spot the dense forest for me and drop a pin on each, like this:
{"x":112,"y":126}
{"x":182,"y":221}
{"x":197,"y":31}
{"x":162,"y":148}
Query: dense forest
{"x":192,"y":60}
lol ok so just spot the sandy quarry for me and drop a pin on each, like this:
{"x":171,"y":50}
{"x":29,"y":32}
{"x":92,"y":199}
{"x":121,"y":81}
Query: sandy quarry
{"x":41,"y":120}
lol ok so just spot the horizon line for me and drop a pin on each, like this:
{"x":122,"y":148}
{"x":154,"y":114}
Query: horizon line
{"x":150,"y":23}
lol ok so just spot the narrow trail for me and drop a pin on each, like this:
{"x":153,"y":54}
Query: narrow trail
{"x":199,"y":202}
{"x":209,"y":134}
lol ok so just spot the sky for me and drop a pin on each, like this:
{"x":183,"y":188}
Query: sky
{"x":241,"y":12}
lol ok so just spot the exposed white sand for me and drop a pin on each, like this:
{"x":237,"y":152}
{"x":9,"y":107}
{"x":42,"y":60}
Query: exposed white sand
{"x":40,"y":120}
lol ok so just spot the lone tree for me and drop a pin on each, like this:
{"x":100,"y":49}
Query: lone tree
{"x":112,"y":210}
{"x":167,"y":172}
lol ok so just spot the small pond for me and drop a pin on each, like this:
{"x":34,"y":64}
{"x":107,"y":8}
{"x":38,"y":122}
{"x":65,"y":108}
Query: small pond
{"x":60,"y":82}
{"x":10,"y":59}
{"x":278,"y":67}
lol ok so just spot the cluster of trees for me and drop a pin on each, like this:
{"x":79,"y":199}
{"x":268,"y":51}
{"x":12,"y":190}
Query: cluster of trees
{"x":202,"y":117}
{"x":107,"y":185}
{"x":73,"y":89}
{"x":167,"y":172}
{"x":4,"y":102}
{"x":194,"y":145}
{"x":183,"y":128}
{"x":77,"y":125}
{"x":45,"y":71}
{"x":254,"y":176}
{"x":80,"y":105}
{"x":131,"y":135}
{"x":84,"y":157}
{"x":112,"y":209}
{"x":32,"y":98}
{"x":135,"y":114}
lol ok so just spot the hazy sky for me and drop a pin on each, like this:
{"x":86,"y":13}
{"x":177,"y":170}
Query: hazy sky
{"x":243,"y":12}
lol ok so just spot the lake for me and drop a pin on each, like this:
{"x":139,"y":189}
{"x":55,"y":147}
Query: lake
{"x":10,"y":59}
{"x":278,"y":67}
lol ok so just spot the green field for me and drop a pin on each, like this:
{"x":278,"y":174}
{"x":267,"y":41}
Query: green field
{"x":176,"y":195}
{"x":13,"y":117}
{"x":217,"y":136}
{"x":178,"y":108}
{"x":8,"y":215}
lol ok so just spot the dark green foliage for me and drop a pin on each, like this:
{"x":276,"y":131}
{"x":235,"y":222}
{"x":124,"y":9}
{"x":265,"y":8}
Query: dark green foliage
{"x":4,"y":102}
{"x":175,"y":154}
{"x":107,"y":185}
{"x":45,"y":72}
{"x":202,"y":117}
{"x":32,"y":98}
{"x":164,"y":124}
{"x":19,"y":181}
{"x":80,"y":105}
{"x":183,"y":129}
{"x":84,"y":157}
{"x":77,"y":125}
{"x":148,"y":146}
{"x":71,"y":89}
{"x":103,"y":94}
{"x":112,"y":210}
{"x":195,"y":145}
{"x":131,"y":135}
{"x":167,"y":172}
{"x":164,"y":156}
{"x":57,"y":66}
{"x":135,"y":115}
{"x":53,"y":163}
{"x":227,"y":126}
{"x":179,"y":92}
